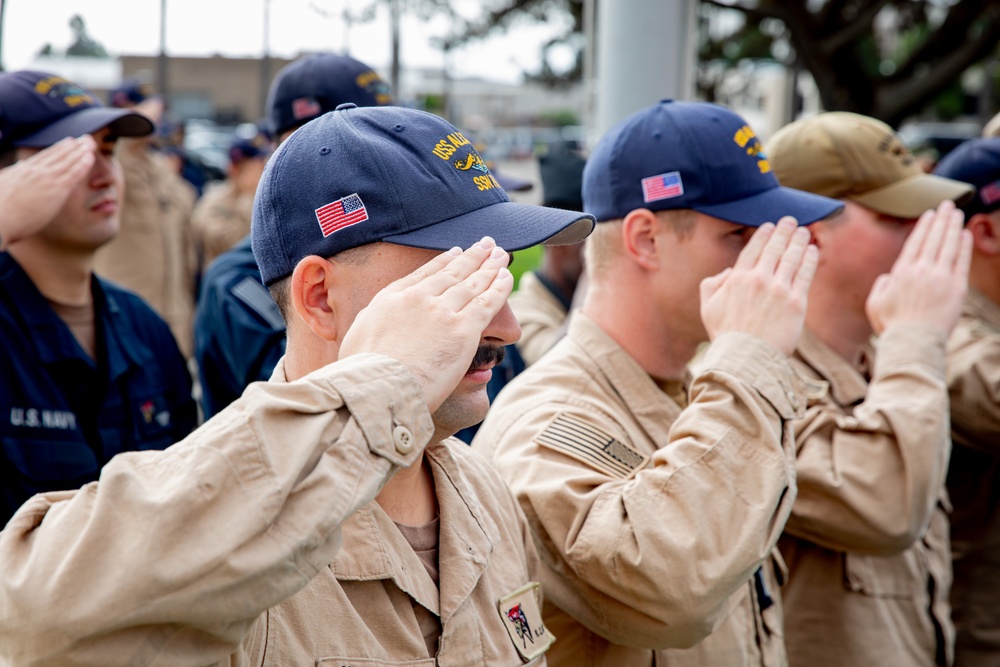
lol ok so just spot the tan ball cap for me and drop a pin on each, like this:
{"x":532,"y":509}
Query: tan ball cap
{"x":849,"y":156}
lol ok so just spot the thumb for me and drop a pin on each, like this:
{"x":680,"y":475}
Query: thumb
{"x":873,"y":304}
{"x":709,"y":286}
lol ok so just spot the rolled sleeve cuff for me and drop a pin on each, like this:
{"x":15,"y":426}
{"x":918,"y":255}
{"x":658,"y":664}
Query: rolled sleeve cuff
{"x":908,"y":346}
{"x":387,"y":404}
{"x":762,"y":366}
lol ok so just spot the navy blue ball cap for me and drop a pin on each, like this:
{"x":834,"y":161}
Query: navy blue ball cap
{"x":37,"y":109}
{"x":976,"y":162}
{"x":360,"y":175}
{"x":316,"y":84}
{"x":129,"y":93}
{"x":692,"y":155}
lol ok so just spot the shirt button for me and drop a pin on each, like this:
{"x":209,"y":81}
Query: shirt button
{"x":403,"y":439}
{"x":793,"y":399}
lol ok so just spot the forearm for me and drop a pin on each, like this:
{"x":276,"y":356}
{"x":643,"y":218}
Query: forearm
{"x":658,"y":554}
{"x":974,"y":387}
{"x":204,"y":536}
{"x":870,"y":476}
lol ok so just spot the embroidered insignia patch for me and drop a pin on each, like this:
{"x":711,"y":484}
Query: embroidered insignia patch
{"x":662,"y":186}
{"x":344,"y":212}
{"x":587,"y":443}
{"x":521,"y":614}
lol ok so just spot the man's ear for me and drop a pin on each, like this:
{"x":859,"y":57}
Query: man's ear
{"x":312,"y":296}
{"x":985,"y":228}
{"x":640,"y":229}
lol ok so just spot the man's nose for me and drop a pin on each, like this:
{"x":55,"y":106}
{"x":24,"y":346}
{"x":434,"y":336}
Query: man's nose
{"x":504,"y":329}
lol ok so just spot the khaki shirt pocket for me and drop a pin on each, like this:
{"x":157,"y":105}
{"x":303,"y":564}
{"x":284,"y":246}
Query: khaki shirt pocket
{"x":896,"y":577}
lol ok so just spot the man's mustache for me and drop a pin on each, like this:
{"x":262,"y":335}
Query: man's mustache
{"x":486,"y":355}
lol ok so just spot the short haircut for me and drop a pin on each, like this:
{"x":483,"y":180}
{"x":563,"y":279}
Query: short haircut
{"x":281,"y":289}
{"x":604,"y":245}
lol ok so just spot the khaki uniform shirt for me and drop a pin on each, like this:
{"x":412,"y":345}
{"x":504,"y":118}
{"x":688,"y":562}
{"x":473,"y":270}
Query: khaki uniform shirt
{"x":541,"y":315}
{"x":223,"y":549}
{"x":867,"y":543}
{"x":651,"y":519}
{"x":152,"y":254}
{"x":974,"y":481}
{"x":221,"y":219}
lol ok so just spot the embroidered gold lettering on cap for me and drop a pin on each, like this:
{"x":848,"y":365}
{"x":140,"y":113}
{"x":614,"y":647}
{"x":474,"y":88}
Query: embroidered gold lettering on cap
{"x":587,"y":443}
{"x":521,"y":614}
{"x":747,"y":139}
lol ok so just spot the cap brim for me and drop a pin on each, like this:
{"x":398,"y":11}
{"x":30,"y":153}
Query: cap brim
{"x":910,"y":197}
{"x":513,"y":226}
{"x":124,"y":123}
{"x":772,"y":205}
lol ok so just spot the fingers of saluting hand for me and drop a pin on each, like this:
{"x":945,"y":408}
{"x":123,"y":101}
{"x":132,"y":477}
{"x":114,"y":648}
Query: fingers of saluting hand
{"x":61,"y":165}
{"x":459,"y":295}
{"x":791,"y":255}
{"x":937,"y":231}
{"x":949,"y":252}
{"x":755,"y":246}
{"x":915,"y":243}
{"x":806,"y":271}
{"x":776,"y":246}
{"x":451,"y":268}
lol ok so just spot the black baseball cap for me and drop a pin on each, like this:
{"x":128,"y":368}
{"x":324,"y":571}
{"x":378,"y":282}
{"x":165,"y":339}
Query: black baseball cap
{"x":37,"y":109}
{"x":313,"y":85}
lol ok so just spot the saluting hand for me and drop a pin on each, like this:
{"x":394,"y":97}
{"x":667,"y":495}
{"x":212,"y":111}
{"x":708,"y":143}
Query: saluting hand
{"x":33,"y":190}
{"x":928,"y":282}
{"x":765,"y":292}
{"x":433,"y":319}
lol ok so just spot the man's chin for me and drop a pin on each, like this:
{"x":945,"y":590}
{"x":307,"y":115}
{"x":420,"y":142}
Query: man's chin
{"x":461,"y":410}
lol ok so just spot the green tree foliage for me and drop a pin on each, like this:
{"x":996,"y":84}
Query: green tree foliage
{"x":883,"y":58}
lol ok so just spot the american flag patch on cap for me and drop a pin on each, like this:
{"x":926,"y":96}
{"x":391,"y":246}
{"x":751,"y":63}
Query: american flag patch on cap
{"x":341,"y":213}
{"x":990,"y":193}
{"x":662,"y":186}
{"x":305,"y":107}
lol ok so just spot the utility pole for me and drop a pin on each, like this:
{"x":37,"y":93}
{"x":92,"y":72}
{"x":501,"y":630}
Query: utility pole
{"x":658,"y":63}
{"x":1,"y":35}
{"x":265,"y":61}
{"x":161,"y":61}
{"x":394,"y":66}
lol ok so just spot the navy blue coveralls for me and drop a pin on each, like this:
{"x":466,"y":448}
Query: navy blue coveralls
{"x":239,"y":333}
{"x":63,"y":415}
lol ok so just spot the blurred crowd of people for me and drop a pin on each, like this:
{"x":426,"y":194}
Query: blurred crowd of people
{"x":742,"y":412}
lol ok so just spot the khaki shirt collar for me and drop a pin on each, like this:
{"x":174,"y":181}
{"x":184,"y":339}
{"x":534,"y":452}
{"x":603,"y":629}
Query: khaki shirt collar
{"x":375,"y":549}
{"x":981,"y":307}
{"x":847,"y":385}
{"x":652,"y":407}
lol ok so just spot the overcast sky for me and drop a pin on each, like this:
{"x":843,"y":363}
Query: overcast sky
{"x":236,"y":28}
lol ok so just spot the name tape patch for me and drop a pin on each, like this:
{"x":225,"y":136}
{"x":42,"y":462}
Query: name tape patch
{"x":590,"y":445}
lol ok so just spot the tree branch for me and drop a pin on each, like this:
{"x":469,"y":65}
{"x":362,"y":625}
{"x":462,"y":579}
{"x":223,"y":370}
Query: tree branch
{"x":897,"y":99}
{"x":853,"y":31}
{"x":950,"y":35}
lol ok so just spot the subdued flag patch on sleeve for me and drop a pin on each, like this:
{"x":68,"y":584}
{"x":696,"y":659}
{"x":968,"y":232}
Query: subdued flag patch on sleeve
{"x":588,"y":444}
